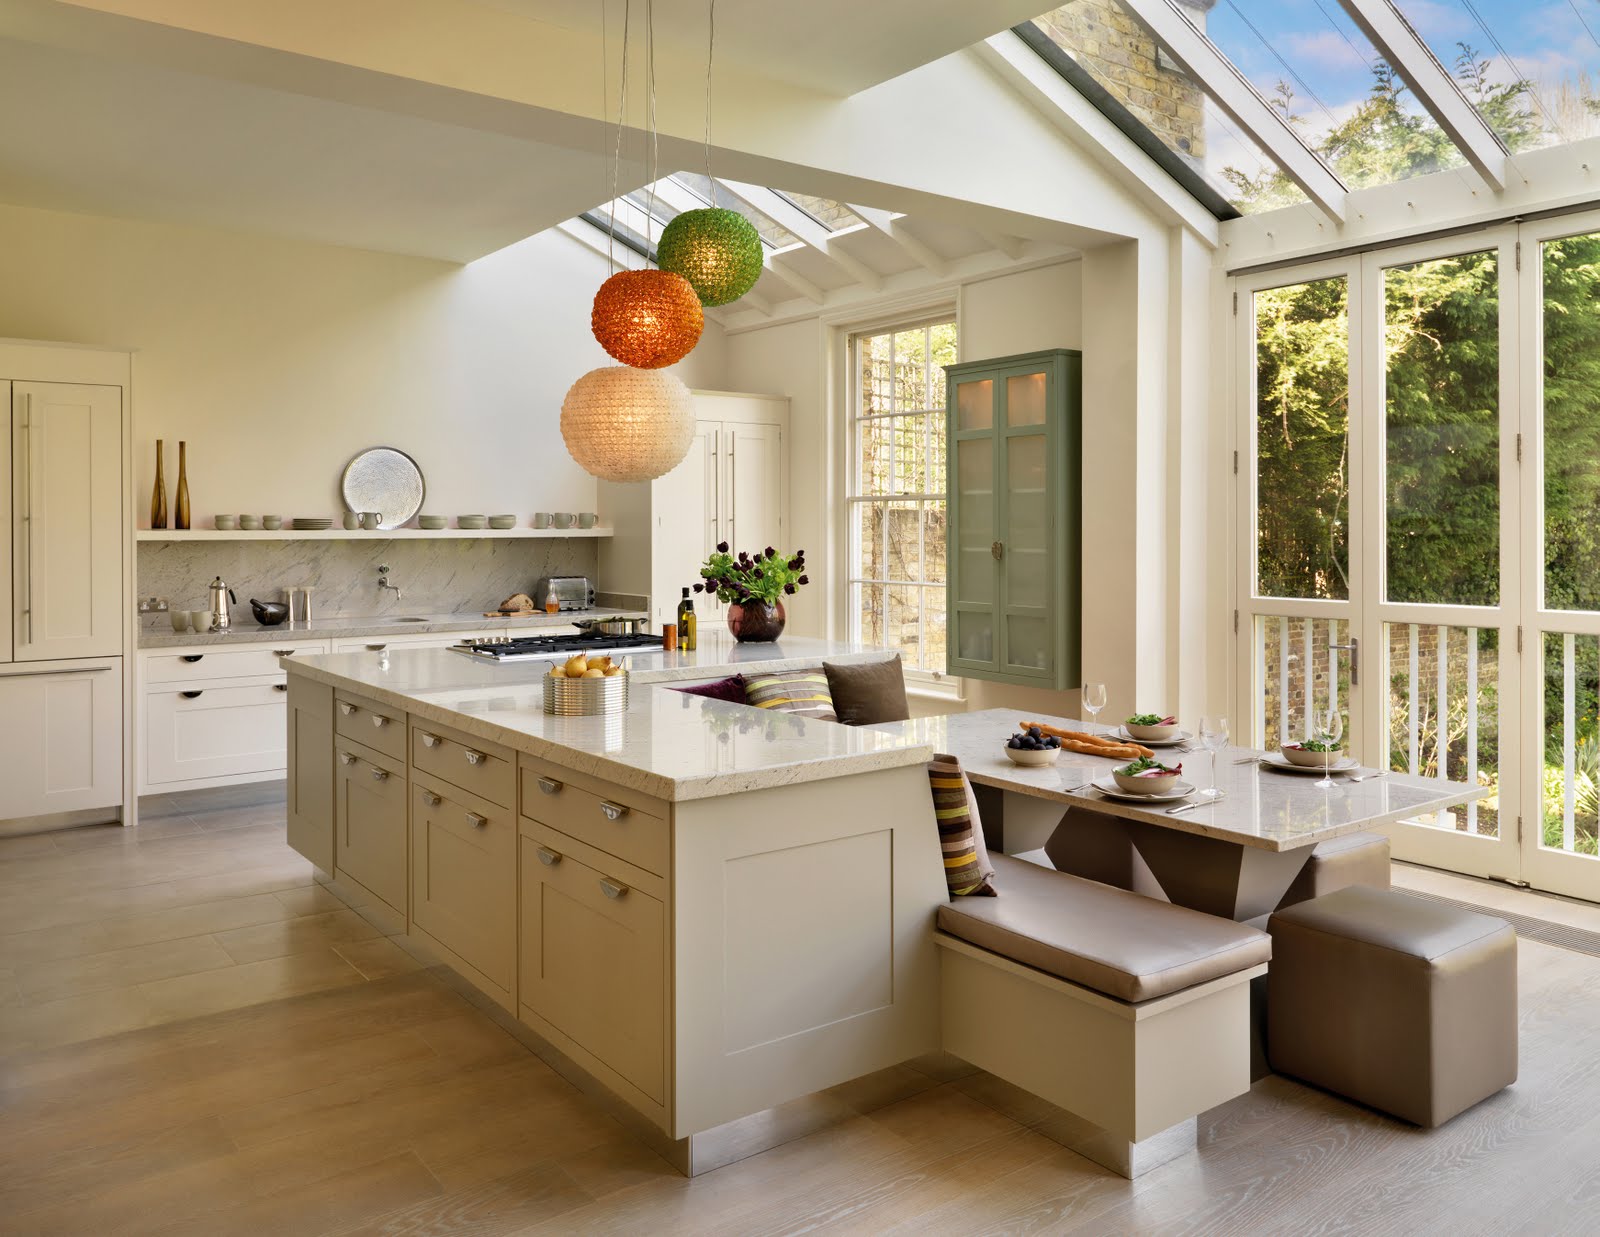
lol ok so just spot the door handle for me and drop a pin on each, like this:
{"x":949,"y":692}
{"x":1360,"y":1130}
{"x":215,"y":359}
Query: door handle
{"x":27,"y":512}
{"x":998,"y":549}
{"x":548,"y":857}
{"x":379,"y":721}
{"x":431,"y":799}
{"x":611,"y":888}
{"x":428,"y":740}
{"x":476,"y":821}
{"x":192,"y":695}
{"x":549,"y":785}
{"x":1354,"y":649}
{"x":380,"y":775}
{"x":191,"y":658}
{"x":346,"y":707}
{"x":473,"y":758}
{"x":23,"y":674}
{"x":613,"y":811}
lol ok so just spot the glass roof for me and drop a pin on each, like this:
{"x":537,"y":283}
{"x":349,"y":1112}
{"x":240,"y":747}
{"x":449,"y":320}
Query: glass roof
{"x":716,"y":193}
{"x":835,"y":216}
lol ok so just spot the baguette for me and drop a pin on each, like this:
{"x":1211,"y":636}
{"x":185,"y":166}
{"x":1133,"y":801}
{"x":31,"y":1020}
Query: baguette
{"x":1091,"y":744}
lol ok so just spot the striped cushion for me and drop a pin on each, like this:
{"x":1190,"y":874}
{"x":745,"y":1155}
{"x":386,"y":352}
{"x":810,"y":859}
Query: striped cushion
{"x":792,"y":691}
{"x":956,"y":815}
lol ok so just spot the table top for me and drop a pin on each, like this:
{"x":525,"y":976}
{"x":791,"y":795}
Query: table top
{"x":1260,"y":807}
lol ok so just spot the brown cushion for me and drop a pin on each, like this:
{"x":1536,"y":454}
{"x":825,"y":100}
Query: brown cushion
{"x":1122,"y":944}
{"x":1354,"y":859}
{"x":867,"y":693}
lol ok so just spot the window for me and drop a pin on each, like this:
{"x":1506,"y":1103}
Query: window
{"x":896,"y":496}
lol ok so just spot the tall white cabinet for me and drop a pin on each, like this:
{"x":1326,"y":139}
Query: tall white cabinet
{"x":731,"y":487}
{"x":64,"y":581}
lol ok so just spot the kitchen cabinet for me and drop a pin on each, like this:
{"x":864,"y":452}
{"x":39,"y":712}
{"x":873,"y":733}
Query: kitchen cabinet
{"x":732,"y":486}
{"x":61,"y":735}
{"x":370,"y":822}
{"x":1014,"y":523}
{"x":310,"y":769}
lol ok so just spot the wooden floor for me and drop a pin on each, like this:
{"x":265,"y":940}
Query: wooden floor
{"x":195,"y":1039}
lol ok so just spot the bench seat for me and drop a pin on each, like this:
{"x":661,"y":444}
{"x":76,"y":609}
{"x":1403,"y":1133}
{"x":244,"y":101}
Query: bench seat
{"x":1128,"y":946}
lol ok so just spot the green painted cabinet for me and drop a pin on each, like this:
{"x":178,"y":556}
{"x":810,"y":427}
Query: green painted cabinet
{"x":1014,"y":526}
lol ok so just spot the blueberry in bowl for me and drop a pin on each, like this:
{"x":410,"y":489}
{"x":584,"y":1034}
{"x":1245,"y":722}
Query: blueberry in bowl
{"x":1033,"y":747}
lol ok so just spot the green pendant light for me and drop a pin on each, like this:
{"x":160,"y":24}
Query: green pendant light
{"x":718,"y":251}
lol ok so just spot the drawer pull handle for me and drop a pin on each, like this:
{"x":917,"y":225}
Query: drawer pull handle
{"x":549,"y":785}
{"x":346,"y":707}
{"x":283,"y":652}
{"x":612,"y":889}
{"x":473,"y":758}
{"x":347,"y":758}
{"x":191,"y":658}
{"x":192,"y":695}
{"x":431,"y":799}
{"x":280,"y":687}
{"x":476,"y":821}
{"x":379,"y":720}
{"x":548,"y":857}
{"x":380,"y":775}
{"x":376,"y":648}
{"x":428,"y":740}
{"x":613,"y":811}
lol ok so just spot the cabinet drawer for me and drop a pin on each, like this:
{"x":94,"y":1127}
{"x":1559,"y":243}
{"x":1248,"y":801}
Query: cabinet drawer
{"x":466,"y":763}
{"x":187,"y":665}
{"x":593,"y":958}
{"x":370,"y":821}
{"x":620,"y":822}
{"x":464,"y":878}
{"x":379,"y":726}
{"x":60,"y":738}
{"x":214,"y":732}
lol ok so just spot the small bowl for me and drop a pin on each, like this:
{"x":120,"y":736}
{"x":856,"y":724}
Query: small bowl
{"x":180,"y":619}
{"x":1152,"y":734}
{"x":502,"y":521}
{"x":250,"y":522}
{"x":434,"y":522}
{"x":1296,"y":755}
{"x":226,"y":523}
{"x":272,"y":522}
{"x":1146,"y":785}
{"x":1027,"y":756}
{"x":471,"y":521}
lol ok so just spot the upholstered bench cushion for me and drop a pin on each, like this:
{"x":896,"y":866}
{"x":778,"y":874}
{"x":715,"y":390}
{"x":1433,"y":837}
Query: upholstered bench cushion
{"x":1125,"y":945}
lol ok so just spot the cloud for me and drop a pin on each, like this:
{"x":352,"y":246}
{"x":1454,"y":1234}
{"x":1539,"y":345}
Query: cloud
{"x":1326,"y":50}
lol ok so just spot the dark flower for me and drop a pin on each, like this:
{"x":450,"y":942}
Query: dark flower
{"x":699,"y":588}
{"x":769,"y":552}
{"x":789,"y":588}
{"x":803,"y":580}
{"x":794,"y":564}
{"x":722,"y":547}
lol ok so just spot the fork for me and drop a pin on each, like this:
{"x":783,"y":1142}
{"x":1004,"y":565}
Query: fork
{"x":1361,"y":777}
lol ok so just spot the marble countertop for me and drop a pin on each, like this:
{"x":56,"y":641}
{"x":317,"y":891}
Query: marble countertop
{"x":245,"y":629}
{"x":1261,"y":807}
{"x":666,"y":744}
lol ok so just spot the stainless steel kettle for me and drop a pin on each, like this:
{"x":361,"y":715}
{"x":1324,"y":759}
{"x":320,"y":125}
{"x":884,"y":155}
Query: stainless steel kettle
{"x":221,"y":596}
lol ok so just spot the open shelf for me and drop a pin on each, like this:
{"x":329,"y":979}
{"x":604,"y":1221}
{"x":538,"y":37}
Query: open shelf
{"x":346,"y":534}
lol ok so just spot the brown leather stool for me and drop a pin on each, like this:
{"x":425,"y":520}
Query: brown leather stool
{"x":1355,"y":859}
{"x":1403,"y":1004}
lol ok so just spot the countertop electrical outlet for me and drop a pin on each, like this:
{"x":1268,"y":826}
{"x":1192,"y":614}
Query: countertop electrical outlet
{"x":153,"y":605}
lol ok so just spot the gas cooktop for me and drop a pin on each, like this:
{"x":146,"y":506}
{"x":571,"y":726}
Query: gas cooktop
{"x":526,"y":648}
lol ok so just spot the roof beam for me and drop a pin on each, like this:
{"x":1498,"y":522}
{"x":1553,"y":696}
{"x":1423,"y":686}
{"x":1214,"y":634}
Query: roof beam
{"x":1231,"y":91}
{"x":889,"y":225}
{"x":1433,"y":84}
{"x":787,"y":275}
{"x":790,"y":217}
{"x":1011,"y":246}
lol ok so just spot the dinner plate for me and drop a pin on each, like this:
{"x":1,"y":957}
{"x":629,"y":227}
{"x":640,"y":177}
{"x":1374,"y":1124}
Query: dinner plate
{"x":1278,"y":761}
{"x":1107,"y":786}
{"x":1177,"y":740}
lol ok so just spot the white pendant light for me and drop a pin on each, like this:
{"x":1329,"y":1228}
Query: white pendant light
{"x":625,"y":424}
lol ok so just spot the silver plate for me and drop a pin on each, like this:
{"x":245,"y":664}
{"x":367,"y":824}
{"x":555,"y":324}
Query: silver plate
{"x":385,"y":480}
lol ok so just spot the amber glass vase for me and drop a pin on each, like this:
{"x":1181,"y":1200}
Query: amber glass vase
{"x":181,"y":511}
{"x":158,"y":497}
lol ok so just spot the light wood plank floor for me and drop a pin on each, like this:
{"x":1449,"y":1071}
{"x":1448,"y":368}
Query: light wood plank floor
{"x":194,"y":1038}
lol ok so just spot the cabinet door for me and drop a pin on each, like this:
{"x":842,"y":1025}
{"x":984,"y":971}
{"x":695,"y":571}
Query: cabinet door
{"x":593,"y":960}
{"x":1025,"y":533}
{"x":7,"y":532}
{"x":370,"y":821}
{"x":61,"y":735}
{"x":754,"y":506}
{"x":310,"y":754}
{"x":686,"y":509}
{"x":974,"y":550}
{"x":68,"y":502}
{"x":198,"y":733}
{"x":464,"y":878}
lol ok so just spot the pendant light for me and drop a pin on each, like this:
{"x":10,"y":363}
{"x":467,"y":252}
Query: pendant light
{"x":717,"y":250}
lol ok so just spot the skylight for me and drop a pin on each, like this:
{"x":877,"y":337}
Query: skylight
{"x":715,"y":193}
{"x":835,"y":216}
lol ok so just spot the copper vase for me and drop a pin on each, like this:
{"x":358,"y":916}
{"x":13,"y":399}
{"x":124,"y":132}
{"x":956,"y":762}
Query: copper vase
{"x":181,"y":512}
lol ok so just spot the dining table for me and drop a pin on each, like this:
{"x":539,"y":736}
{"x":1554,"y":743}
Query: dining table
{"x":1234,"y":856}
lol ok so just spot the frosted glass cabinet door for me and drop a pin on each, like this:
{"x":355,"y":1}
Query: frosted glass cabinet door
{"x":1028,"y":642}
{"x":975,"y":582}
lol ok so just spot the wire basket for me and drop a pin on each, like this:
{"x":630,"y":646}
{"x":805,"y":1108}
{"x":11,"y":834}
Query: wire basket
{"x":586,"y":697}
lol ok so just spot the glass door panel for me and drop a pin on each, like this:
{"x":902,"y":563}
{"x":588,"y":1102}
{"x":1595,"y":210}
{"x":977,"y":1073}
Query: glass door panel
{"x":975,"y":405}
{"x":1569,"y":781}
{"x":1570,"y":422}
{"x":1025,"y":399}
{"x":1027,"y":523}
{"x":976,"y":529}
{"x":1301,"y":669}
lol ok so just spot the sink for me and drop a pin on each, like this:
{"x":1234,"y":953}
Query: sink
{"x":409,"y":618}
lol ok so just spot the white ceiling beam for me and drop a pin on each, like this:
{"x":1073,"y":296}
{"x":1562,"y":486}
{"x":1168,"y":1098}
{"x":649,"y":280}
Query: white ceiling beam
{"x":1232,"y":92}
{"x":1011,"y":246}
{"x":787,"y":275}
{"x":1433,"y":84}
{"x":889,"y":225}
{"x":791,"y":218}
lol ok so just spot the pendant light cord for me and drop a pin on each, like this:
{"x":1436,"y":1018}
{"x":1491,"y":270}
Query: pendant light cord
{"x":622,"y":110}
{"x":653,"y":150}
{"x":711,"y":56}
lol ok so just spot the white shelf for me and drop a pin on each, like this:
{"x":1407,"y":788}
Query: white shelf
{"x":344,"y":534}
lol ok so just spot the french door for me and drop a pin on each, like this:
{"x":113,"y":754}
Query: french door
{"x":1420,"y":473}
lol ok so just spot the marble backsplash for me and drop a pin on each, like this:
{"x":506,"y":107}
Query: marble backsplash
{"x":434,"y":577}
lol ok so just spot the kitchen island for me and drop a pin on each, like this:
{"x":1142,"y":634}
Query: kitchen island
{"x":709,"y":909}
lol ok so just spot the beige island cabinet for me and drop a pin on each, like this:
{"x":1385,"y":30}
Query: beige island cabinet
{"x":709,"y":909}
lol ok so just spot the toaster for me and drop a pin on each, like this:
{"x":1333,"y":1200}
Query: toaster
{"x":570,"y":592}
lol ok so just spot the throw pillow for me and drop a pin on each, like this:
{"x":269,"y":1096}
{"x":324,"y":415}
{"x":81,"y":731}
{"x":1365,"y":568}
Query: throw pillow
{"x":792,"y":691}
{"x":730,"y":689}
{"x":956,"y":816}
{"x":869,"y":692}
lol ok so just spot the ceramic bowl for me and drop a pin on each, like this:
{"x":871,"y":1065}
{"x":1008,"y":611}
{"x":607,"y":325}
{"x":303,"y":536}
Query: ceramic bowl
{"x":226,"y":522}
{"x":471,"y":521}
{"x":272,"y":522}
{"x":1151,"y":734}
{"x":1146,"y":785}
{"x":502,"y":521}
{"x":432,"y":522}
{"x":251,"y":522}
{"x":1026,"y":756}
{"x":1297,"y":755}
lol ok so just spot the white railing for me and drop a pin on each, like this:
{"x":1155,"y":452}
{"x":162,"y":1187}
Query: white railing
{"x":1300,"y":642}
{"x":1445,"y":686}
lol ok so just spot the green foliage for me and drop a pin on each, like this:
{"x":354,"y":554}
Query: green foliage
{"x":765,"y":576}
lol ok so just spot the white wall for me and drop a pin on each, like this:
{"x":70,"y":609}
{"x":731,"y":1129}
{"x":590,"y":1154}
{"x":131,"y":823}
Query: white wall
{"x":277,"y":360}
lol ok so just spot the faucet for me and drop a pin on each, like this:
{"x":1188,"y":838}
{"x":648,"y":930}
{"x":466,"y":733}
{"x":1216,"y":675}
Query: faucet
{"x":385,"y":582}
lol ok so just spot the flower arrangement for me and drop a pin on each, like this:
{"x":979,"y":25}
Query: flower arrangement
{"x":765,"y":577}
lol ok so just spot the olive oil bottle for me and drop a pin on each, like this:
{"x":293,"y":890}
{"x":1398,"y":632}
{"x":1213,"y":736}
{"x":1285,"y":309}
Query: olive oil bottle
{"x":687,"y":623}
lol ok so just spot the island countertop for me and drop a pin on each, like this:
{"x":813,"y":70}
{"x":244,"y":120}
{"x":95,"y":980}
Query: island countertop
{"x":666,"y":744}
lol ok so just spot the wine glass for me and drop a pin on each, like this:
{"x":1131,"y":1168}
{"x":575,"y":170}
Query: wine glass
{"x":1213,"y":737}
{"x":1332,"y":732}
{"x":1094,"y":699}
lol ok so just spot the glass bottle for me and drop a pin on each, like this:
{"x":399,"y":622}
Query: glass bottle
{"x":687,"y":623}
{"x":182,"y":509}
{"x":158,"y":497}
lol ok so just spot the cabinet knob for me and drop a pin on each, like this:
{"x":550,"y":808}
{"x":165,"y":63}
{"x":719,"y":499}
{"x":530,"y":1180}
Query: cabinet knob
{"x":346,"y":758}
{"x":612,"y":889}
{"x":428,"y":740}
{"x":346,"y":707}
{"x":476,"y":821}
{"x":191,"y":658}
{"x":549,"y":785}
{"x":473,"y":758}
{"x":280,"y":687}
{"x":192,"y":695}
{"x":547,"y":856}
{"x":380,"y":775}
{"x":431,"y":799}
{"x":613,"y":811}
{"x":998,"y":549}
{"x":379,"y":721}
